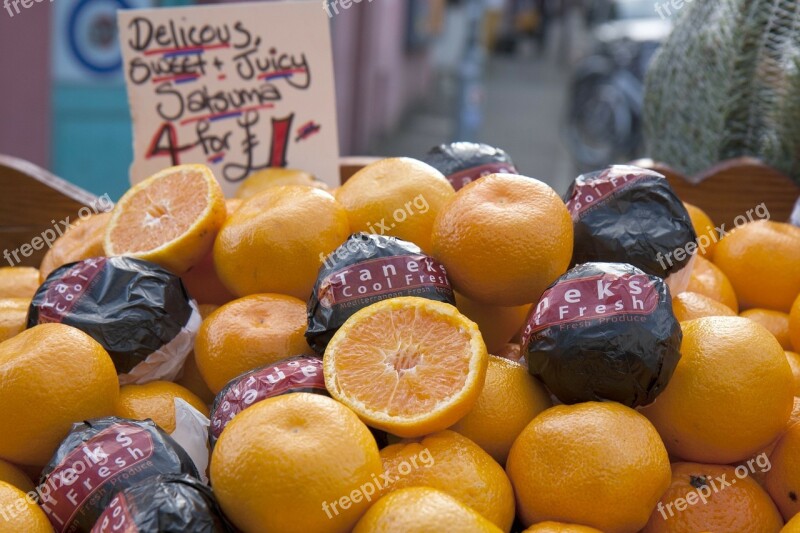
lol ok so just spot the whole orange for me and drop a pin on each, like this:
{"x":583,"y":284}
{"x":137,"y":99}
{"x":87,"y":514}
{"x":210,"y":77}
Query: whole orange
{"x":793,"y":525}
{"x":453,"y":464}
{"x":793,"y":419}
{"x":83,"y":240}
{"x":18,"y":282}
{"x":762,"y":260}
{"x":775,"y":321}
{"x":248,"y":333}
{"x":763,"y":465}
{"x":503,"y":239}
{"x":13,"y":316}
{"x":51,"y":376}
{"x":783,"y":479}
{"x":190,"y":377}
{"x":267,"y":178}
{"x":295,"y":463}
{"x":707,"y":279}
{"x":510,"y":399}
{"x":203,"y":284}
{"x":398,"y":196}
{"x":13,"y":475}
{"x":20,"y":513}
{"x":498,"y":325}
{"x":156,"y":401}
{"x":794,"y":324}
{"x":202,"y":280}
{"x":597,"y":464}
{"x":705,"y":497}
{"x":276,"y":240}
{"x":730,"y":395}
{"x":560,"y":527}
{"x":705,"y":230}
{"x":794,"y":362}
{"x":690,"y":305}
{"x":421,"y":509}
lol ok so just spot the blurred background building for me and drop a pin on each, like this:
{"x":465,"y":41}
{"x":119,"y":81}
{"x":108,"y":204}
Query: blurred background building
{"x":556,"y":83}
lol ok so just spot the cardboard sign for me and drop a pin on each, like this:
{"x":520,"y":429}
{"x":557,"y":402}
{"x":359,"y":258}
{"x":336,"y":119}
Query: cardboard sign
{"x":239,"y":87}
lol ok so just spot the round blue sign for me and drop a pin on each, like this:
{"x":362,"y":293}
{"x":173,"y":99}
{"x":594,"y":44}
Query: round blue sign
{"x":92,"y":34}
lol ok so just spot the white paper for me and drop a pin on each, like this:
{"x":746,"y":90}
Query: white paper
{"x":239,"y":87}
{"x":191,"y":432}
{"x":167,"y":362}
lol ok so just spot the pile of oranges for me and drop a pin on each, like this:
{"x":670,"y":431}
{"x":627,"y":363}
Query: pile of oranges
{"x":432,"y":421}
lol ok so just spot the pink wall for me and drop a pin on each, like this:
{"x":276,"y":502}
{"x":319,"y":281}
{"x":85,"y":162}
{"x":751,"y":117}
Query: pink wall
{"x":376,"y":78}
{"x":345,"y":37}
{"x":25,"y":83}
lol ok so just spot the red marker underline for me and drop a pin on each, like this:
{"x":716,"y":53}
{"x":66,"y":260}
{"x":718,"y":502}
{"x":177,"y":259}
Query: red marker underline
{"x":186,"y":49}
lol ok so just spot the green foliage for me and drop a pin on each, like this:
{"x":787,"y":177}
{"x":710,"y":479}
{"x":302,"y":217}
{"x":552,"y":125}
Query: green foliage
{"x":727,"y":84}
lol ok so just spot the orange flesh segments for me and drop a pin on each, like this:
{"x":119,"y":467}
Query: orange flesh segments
{"x":407,"y":368}
{"x":156,"y":215}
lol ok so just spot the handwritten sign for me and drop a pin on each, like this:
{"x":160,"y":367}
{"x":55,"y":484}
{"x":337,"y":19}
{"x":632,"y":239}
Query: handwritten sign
{"x":239,"y":87}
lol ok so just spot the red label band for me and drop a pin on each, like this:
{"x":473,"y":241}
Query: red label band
{"x":592,"y":189}
{"x":468,"y":175}
{"x":273,"y":381}
{"x":110,"y":453}
{"x":116,"y":518}
{"x":61,"y":296}
{"x":595,"y":298}
{"x":384,"y":275}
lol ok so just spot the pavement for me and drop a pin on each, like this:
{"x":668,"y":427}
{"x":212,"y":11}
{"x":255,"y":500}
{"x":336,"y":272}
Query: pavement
{"x":523,"y":112}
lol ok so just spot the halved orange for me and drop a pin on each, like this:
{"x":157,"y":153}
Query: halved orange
{"x":410,"y":366}
{"x":171,"y":218}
